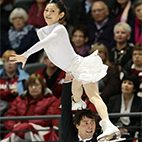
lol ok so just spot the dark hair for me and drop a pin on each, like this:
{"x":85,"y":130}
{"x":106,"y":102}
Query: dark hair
{"x":82,"y":28}
{"x":137,"y":3}
{"x":60,"y":5}
{"x":32,"y":79}
{"x":137,"y":46}
{"x":5,"y":2}
{"x":85,"y":112}
{"x":134,"y":78}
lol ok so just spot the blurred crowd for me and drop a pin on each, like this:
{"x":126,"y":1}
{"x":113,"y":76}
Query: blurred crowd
{"x":113,"y":27}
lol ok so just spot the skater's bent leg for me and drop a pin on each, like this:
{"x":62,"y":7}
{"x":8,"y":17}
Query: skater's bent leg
{"x":91,"y":90}
{"x":77,"y":90}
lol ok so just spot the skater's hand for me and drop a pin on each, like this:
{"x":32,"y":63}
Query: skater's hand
{"x":18,"y":58}
{"x":68,"y":77}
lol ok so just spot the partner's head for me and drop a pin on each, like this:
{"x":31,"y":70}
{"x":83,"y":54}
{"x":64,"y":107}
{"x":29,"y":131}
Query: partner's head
{"x":54,"y":11}
{"x":85,"y":121}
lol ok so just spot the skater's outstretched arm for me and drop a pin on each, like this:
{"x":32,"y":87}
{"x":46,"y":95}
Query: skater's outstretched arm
{"x":58,"y":31}
{"x":38,"y":46}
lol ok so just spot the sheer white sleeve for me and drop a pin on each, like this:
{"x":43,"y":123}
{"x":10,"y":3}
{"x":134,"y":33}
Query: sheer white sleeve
{"x":45,"y":40}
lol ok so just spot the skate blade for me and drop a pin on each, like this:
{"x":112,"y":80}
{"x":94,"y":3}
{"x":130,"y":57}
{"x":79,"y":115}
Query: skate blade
{"x":111,"y":138}
{"x":118,"y":140}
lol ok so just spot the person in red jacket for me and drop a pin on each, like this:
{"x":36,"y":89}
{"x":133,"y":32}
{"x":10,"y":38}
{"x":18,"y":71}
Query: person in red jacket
{"x":36,"y":100}
{"x":35,"y":14}
{"x":53,"y":76}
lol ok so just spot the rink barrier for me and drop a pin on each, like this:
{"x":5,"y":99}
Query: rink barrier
{"x":111,"y":115}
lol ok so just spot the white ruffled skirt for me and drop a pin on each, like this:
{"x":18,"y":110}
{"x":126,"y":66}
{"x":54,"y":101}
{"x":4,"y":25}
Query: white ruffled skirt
{"x":88,"y":69}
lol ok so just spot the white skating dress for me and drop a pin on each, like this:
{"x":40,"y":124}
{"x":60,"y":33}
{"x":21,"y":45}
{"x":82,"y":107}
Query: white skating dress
{"x":55,"y":41}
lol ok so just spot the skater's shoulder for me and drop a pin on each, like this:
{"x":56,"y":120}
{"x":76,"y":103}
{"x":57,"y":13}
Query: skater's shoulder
{"x":60,"y":26}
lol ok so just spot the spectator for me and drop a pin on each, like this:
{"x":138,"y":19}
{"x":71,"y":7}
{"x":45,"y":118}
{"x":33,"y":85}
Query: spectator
{"x":4,"y":107}
{"x":80,"y":35}
{"x":80,"y":12}
{"x":101,"y":26}
{"x":21,"y":36}
{"x":12,"y":79}
{"x":35,"y":14}
{"x":85,"y":120}
{"x":135,"y":65}
{"x":121,"y":52}
{"x":136,"y":23}
{"x":107,"y":87}
{"x":35,"y":101}
{"x":53,"y":76}
{"x":127,"y":102}
{"x":6,"y":8}
{"x":121,"y":11}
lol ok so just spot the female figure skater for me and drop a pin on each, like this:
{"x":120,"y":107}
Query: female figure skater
{"x":86,"y":71}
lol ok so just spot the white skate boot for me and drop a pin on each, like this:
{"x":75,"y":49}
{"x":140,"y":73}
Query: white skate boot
{"x":78,"y":105}
{"x":110,"y":132}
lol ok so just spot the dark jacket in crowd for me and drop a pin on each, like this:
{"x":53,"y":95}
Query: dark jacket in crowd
{"x":78,"y":14}
{"x":105,"y":35}
{"x":114,"y":106}
{"x":121,"y":57}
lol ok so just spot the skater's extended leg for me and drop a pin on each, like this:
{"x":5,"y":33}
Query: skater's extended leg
{"x":110,"y":131}
{"x":91,"y":90}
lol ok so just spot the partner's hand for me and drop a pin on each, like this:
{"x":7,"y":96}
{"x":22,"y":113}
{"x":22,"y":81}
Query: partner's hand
{"x":68,"y":77}
{"x":18,"y":58}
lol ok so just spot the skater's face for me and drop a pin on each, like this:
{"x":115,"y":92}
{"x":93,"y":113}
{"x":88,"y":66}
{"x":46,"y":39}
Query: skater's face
{"x":127,"y":87}
{"x":121,"y":35}
{"x":86,"y":128}
{"x":52,"y":14}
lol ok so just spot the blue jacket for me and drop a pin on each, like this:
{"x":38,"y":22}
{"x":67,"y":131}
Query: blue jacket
{"x":23,"y":76}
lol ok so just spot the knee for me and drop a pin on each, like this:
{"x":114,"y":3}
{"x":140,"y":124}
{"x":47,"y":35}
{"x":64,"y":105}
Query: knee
{"x":95,"y":98}
{"x":92,"y":99}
